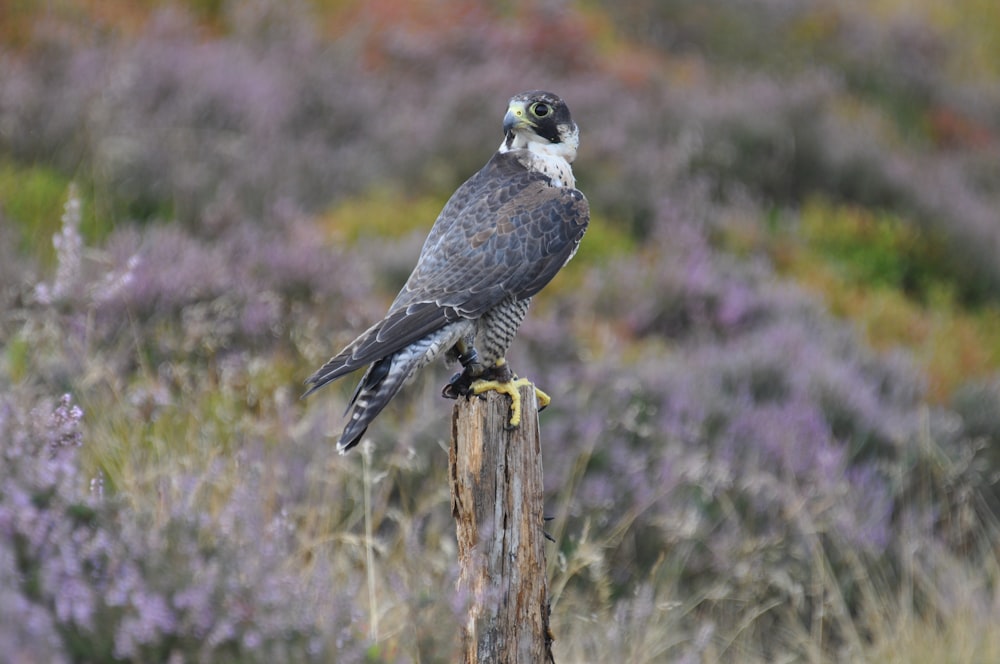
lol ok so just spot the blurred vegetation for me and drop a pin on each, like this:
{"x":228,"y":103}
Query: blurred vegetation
{"x":775,"y":358}
{"x":380,"y":214}
{"x":891,"y":278}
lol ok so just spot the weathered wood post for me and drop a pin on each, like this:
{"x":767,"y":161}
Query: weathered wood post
{"x":496,"y":497}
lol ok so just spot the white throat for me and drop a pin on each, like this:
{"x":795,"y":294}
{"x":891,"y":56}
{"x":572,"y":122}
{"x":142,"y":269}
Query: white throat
{"x":537,"y":154}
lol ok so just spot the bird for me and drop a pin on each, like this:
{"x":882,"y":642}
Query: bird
{"x":501,"y":237}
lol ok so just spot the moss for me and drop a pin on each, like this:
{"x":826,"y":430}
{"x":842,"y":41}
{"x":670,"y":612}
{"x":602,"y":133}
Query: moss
{"x":17,"y":355}
{"x":381,"y":213}
{"x":607,"y":238}
{"x":890,"y":279}
{"x":876,"y":247}
{"x":32,"y":198}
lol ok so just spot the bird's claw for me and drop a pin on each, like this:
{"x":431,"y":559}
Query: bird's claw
{"x":543,"y":399}
{"x":512,"y":389}
{"x":546,"y":519}
{"x":473,"y":380}
{"x":460,"y":385}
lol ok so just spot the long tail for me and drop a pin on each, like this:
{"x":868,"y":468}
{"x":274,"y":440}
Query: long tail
{"x":385,"y":376}
{"x":343,"y":363}
{"x":377,"y":388}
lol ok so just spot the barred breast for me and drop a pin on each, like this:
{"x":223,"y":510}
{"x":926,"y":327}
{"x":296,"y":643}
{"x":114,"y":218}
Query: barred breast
{"x":497,"y":328}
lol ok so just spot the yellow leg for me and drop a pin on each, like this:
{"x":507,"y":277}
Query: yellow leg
{"x":512,"y":389}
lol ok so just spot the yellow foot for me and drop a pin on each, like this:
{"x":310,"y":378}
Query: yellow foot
{"x":512,"y":389}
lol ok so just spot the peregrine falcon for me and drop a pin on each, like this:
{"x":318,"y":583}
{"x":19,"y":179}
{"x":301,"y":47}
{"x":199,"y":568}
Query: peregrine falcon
{"x":502,"y":236}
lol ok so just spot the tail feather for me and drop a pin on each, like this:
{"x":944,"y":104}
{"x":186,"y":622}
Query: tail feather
{"x":377,"y":388}
{"x":385,"y":376}
{"x":400,"y":329}
{"x":341,"y":364}
{"x":375,"y":374}
{"x":328,"y":373}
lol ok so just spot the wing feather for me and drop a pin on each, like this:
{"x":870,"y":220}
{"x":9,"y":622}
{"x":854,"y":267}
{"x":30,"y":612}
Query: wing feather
{"x":505,"y":232}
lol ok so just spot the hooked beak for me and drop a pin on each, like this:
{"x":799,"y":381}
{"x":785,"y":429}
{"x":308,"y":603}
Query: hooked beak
{"x":516,"y":117}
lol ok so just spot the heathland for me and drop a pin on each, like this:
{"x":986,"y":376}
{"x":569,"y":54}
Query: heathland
{"x":775,"y":361}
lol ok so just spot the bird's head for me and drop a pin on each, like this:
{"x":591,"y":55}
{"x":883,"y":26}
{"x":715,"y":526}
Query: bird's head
{"x":540,"y":120}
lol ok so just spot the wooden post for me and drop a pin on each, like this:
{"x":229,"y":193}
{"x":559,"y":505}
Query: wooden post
{"x":496,"y":498}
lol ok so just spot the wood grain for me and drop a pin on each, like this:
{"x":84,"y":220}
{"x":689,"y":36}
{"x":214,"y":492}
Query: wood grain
{"x":497,"y":501}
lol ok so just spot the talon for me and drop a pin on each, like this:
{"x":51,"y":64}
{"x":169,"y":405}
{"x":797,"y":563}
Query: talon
{"x":543,"y":399}
{"x":511,"y":389}
{"x":457,"y":387}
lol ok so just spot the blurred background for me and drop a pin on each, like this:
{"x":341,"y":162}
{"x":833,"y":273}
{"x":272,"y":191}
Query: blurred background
{"x":775,"y":361}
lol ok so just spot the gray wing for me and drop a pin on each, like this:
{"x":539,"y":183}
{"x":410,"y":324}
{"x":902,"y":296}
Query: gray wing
{"x":512,"y":235}
{"x":505,"y":232}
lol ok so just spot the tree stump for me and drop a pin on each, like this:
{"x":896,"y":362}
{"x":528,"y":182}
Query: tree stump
{"x":496,"y":498}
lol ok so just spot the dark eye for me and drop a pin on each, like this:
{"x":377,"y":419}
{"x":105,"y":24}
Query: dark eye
{"x":540,"y":109}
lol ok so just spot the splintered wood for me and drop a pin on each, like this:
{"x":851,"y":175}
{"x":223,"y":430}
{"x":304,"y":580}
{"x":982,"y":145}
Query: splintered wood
{"x":496,"y":497}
